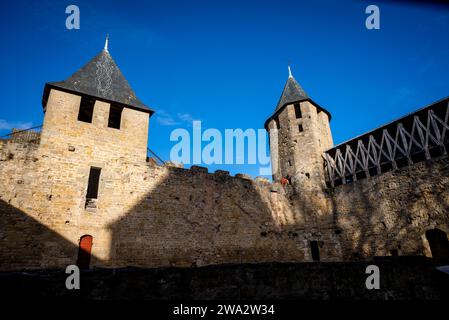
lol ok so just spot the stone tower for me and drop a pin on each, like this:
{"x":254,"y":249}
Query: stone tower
{"x":299,"y":133}
{"x":95,"y":131}
{"x":96,"y":114}
{"x":94,"y":126}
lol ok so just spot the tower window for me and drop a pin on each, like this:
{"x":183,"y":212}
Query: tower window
{"x":300,"y":128}
{"x":86,"y":109}
{"x":115,"y":116}
{"x":298,"y":113}
{"x":94,"y":180}
{"x":315,"y":250}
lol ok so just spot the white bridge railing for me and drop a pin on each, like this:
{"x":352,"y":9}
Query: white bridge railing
{"x":416,"y":137}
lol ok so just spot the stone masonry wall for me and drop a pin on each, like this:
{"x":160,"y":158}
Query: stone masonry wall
{"x":393,"y":211}
{"x":160,"y":216}
{"x":402,"y":278}
{"x":154,"y":216}
{"x":145,"y":216}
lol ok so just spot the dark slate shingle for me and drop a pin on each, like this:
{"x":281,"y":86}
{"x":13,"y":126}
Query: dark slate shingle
{"x":292,"y":92}
{"x":102,"y":78}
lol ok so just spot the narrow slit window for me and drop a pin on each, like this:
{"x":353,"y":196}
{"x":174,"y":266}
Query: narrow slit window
{"x":300,"y":128}
{"x":94,"y":180}
{"x":315,"y":250}
{"x":115,"y":116}
{"x":298,"y":113}
{"x":86,"y":111}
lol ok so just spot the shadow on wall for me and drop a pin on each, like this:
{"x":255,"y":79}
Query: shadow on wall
{"x":27,"y":242}
{"x":394,"y":213}
{"x":195,"y":218}
{"x":191,"y":218}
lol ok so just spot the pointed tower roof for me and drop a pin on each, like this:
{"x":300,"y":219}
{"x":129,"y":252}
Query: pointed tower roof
{"x":292,"y":93}
{"x":100,"y":78}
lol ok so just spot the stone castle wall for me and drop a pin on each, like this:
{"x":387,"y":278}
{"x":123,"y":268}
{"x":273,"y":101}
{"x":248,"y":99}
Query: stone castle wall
{"x":393,"y":211}
{"x":145,"y":215}
{"x":154,"y":216}
{"x":160,"y":216}
{"x":403,"y":278}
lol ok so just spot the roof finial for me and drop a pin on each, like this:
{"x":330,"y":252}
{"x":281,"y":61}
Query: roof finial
{"x":290,"y":72}
{"x":106,"y":43}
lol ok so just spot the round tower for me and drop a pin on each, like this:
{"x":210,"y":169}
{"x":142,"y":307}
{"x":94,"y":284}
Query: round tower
{"x":299,"y":133}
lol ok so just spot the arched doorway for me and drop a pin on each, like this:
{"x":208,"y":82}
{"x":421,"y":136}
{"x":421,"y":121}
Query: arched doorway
{"x":438,"y":242}
{"x":85,"y":248}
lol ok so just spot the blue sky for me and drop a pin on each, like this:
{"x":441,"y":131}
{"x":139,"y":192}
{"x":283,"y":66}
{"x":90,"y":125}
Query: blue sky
{"x":225,"y":62}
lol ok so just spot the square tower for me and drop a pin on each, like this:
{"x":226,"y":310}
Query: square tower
{"x":95,"y":113}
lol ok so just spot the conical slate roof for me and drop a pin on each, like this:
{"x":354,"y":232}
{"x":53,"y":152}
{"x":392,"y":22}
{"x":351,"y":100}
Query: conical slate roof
{"x":292,"y":92}
{"x":102,"y":78}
